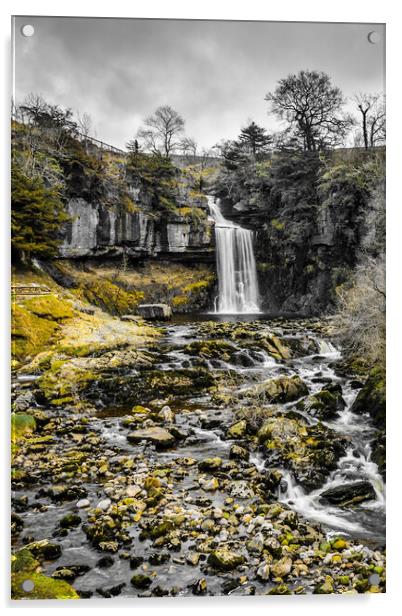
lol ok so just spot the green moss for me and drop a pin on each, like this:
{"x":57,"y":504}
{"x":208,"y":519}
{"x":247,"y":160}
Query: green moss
{"x":277,"y":224}
{"x":109,"y":296}
{"x":44,"y":587}
{"x":23,"y":560}
{"x":50,"y":307}
{"x":30,"y":334}
{"x":21,"y":426}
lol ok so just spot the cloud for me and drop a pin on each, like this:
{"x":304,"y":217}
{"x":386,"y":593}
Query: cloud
{"x":214,"y":73}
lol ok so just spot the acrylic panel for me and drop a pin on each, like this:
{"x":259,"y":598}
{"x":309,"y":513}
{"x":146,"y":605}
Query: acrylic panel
{"x":198,"y":308}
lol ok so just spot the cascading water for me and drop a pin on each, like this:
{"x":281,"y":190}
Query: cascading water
{"x":237,"y":272}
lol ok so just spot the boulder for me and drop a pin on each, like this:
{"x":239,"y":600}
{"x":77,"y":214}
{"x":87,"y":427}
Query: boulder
{"x":155,"y":311}
{"x":225,"y":560}
{"x":371,"y":398}
{"x":349,"y":494}
{"x":282,"y":567}
{"x":159,"y":437}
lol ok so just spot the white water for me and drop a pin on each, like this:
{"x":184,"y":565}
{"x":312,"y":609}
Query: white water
{"x":237,"y":272}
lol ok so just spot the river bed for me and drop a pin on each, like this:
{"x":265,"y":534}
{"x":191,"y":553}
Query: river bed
{"x":201,"y":420}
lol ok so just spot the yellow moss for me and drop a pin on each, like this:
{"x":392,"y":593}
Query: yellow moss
{"x":30,"y":334}
{"x":22,"y":425}
{"x":49,"y":307}
{"x":44,"y":587}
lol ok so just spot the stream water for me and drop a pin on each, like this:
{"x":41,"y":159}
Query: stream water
{"x":204,"y":425}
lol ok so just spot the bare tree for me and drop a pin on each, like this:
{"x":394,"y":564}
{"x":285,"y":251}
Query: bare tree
{"x":188,"y":146}
{"x":372,"y":116}
{"x":161,"y":131}
{"x":85,"y":124}
{"x":312,"y":108}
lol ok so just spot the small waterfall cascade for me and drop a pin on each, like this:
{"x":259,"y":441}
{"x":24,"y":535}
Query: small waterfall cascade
{"x":237,"y":272}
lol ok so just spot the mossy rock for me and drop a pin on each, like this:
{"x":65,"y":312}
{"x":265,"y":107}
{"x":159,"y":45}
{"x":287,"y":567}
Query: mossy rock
{"x":50,"y":307}
{"x":22,"y":425}
{"x":224,"y":559}
{"x":371,"y":398}
{"x":237,"y":430}
{"x":30,"y":334}
{"x":43,"y":587}
{"x":280,"y":390}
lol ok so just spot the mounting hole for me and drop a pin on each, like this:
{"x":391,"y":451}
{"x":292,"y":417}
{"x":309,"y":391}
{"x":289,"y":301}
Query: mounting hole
{"x":27,"y":30}
{"x":374,"y":37}
{"x":28,"y":585}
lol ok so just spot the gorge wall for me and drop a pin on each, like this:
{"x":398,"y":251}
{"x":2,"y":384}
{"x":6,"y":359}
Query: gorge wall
{"x":99,"y":230}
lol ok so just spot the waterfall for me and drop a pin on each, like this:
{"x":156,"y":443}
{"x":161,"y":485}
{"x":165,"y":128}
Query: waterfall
{"x":237,"y":272}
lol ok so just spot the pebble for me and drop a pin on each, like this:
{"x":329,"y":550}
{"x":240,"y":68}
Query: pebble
{"x":104,"y":504}
{"x":82,"y":503}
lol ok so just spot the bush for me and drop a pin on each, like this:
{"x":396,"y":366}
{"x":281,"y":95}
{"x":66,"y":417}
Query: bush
{"x":361,"y":313}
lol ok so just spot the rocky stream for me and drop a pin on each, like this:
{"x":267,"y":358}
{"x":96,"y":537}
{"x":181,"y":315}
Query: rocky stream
{"x":228,"y":456}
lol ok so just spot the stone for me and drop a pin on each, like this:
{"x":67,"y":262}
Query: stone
{"x":44,"y":549}
{"x":83,"y":503}
{"x":155,"y":311}
{"x":210,"y":485}
{"x":133,"y":491}
{"x":326,"y":588}
{"x":70,"y":520}
{"x":224,"y":559}
{"x":210,"y":464}
{"x":282,"y":567}
{"x":104,"y":504}
{"x":141,"y":581}
{"x":237,"y":430}
{"x":199,"y":587}
{"x":349,"y":494}
{"x":239,"y":453}
{"x":161,"y":438}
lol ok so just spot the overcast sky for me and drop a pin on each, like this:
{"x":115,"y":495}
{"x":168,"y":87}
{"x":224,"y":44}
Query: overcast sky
{"x":215,"y":74}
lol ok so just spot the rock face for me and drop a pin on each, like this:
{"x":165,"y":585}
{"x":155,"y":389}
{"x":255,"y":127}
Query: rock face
{"x":155,"y":311}
{"x":98,"y":230}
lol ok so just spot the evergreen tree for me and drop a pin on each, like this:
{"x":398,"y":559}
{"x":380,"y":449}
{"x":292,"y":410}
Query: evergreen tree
{"x":36,"y":216}
{"x":255,"y":139}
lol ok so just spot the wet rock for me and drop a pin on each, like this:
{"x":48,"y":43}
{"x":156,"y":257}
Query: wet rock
{"x":105,"y":562}
{"x":113,"y":591}
{"x":83,"y":503}
{"x":311,"y":452}
{"x":70,"y":520}
{"x":349,"y":494}
{"x":325,"y":404}
{"x":142,"y":581}
{"x":161,"y":438}
{"x":371,"y":398}
{"x":70,"y":572}
{"x":159,"y":558}
{"x":281,"y":389}
{"x":199,"y":587}
{"x":136,"y":561}
{"x":16,"y":524}
{"x":210,"y":485}
{"x":44,"y":549}
{"x":210,"y":464}
{"x":378,"y":447}
{"x":240,"y":489}
{"x":239,"y":453}
{"x":237,"y":430}
{"x":104,"y":504}
{"x":66,"y":493}
{"x":224,"y":559}
{"x":155,"y":311}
